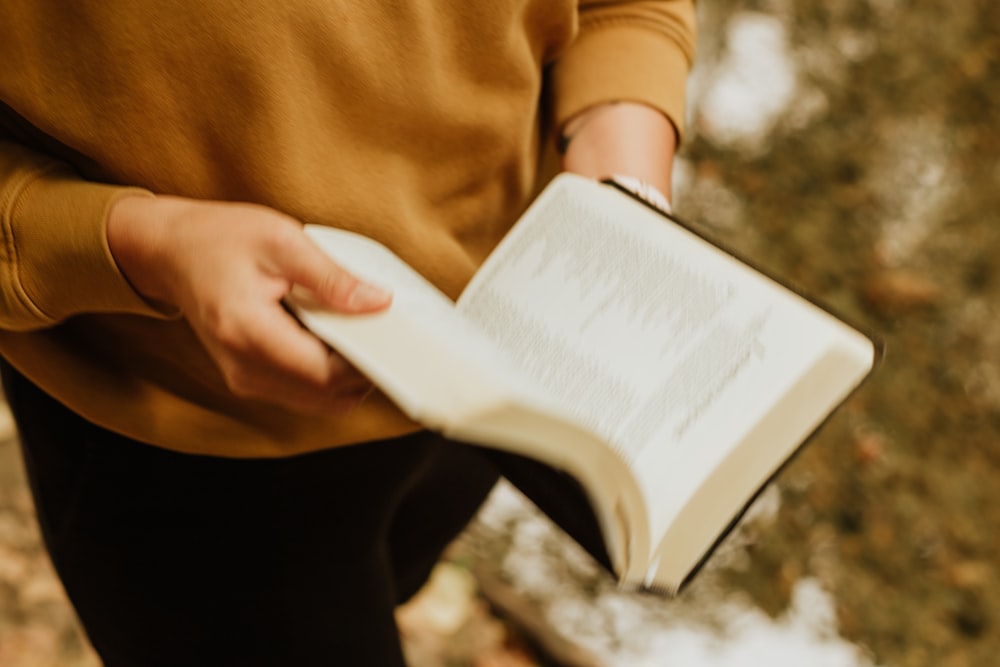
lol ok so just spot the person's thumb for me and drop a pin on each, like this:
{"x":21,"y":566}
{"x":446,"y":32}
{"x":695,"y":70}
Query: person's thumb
{"x":307,"y":266}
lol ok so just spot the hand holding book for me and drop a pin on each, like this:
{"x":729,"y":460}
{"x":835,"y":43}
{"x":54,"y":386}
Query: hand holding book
{"x":226,"y":268}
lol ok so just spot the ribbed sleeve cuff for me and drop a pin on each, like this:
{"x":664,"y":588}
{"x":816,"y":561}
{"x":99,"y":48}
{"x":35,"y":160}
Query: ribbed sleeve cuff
{"x":621,"y":62}
{"x":57,"y":245}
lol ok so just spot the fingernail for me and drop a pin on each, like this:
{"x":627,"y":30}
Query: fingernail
{"x":367,"y":296}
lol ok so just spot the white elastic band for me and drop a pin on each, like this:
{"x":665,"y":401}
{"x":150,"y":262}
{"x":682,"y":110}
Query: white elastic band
{"x":644,"y":191}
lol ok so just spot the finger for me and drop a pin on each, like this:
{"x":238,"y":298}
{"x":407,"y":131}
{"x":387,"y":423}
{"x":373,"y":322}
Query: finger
{"x":303,"y":263}
{"x":290,"y":393}
{"x":272,"y":344}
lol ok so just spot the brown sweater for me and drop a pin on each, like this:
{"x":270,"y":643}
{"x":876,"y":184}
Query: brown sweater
{"x":416,"y":123}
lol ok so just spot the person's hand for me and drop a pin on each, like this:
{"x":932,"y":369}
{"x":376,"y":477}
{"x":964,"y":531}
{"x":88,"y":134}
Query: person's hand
{"x":227,"y":267}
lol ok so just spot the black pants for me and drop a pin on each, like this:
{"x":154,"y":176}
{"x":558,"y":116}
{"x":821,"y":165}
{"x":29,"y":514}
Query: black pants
{"x":175,"y":560}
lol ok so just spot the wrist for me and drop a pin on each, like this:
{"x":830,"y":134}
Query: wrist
{"x":136,"y":235}
{"x":622,"y":138}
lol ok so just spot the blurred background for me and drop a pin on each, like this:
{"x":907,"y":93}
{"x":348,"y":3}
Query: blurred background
{"x":850,"y":147}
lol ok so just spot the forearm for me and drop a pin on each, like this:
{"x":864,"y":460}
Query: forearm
{"x":621,"y":139}
{"x":619,"y":90}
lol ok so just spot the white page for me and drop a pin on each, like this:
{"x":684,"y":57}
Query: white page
{"x":640,"y":329}
{"x":422,"y":315}
{"x":787,"y":345}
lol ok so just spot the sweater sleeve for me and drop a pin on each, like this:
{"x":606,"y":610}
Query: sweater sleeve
{"x":627,"y":50}
{"x":54,"y":259}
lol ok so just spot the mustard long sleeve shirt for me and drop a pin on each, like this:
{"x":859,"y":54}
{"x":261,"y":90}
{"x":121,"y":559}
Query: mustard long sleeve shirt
{"x":416,"y":123}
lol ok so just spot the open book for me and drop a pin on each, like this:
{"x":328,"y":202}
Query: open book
{"x":608,"y":341}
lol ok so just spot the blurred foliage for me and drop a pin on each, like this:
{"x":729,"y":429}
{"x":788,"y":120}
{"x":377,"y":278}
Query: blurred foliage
{"x":887,"y":207}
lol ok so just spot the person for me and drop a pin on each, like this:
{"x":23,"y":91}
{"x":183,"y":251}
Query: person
{"x":186,"y":440}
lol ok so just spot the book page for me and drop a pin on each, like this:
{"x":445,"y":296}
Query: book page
{"x":639,"y":327}
{"x":790,"y":345}
{"x":612,"y":318}
{"x":772,"y":418}
{"x":436,"y":365}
